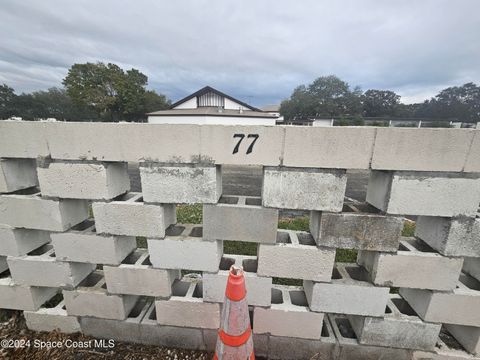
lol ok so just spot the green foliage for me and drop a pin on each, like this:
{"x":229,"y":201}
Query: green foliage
{"x":239,"y":248}
{"x":380,"y":103}
{"x":189,"y":214}
{"x":346,"y":255}
{"x":408,"y":228}
{"x":7,"y":96}
{"x":297,"y":223}
{"x":141,"y":242}
{"x":288,"y":282}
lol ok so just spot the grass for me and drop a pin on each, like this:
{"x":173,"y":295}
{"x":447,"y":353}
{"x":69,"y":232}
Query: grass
{"x":297,"y":224}
{"x":408,"y":228}
{"x":189,"y":214}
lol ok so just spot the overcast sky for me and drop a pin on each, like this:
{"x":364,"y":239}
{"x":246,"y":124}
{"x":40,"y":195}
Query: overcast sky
{"x":256,"y":50}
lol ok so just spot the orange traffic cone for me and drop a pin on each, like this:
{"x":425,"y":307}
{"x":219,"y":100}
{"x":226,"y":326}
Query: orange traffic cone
{"x":234,"y":340}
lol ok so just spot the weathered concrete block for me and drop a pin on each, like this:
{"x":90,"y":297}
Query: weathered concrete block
{"x":468,"y":336}
{"x":3,"y":264}
{"x":52,"y":318}
{"x":304,"y":189}
{"x":296,"y":256}
{"x":471,"y":266}
{"x":350,"y":292}
{"x":90,"y":298}
{"x":16,"y":242}
{"x":424,"y":193}
{"x":129,"y":216}
{"x":447,"y":307}
{"x":415,"y":265}
{"x":41,"y":268}
{"x":17,"y":174}
{"x":83,"y":244}
{"x":359,"y":226}
{"x":184,"y":248}
{"x":22,"y":139}
{"x":450,"y":236}
{"x":75,"y":180}
{"x":400,"y":327}
{"x":288,"y":315}
{"x":331,"y":148}
{"x":421,"y":149}
{"x":19,"y":297}
{"x":185,"y":308}
{"x":29,"y":210}
{"x":258,"y":287}
{"x":472,"y":164}
{"x":181,"y":184}
{"x":136,"y":276}
{"x":240,"y":218}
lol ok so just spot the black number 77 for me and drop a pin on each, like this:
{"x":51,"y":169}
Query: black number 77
{"x":241,"y":137}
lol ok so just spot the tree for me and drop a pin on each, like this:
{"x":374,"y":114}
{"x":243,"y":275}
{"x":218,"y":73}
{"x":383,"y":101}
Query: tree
{"x":7,"y":98}
{"x":155,"y":102}
{"x":380,"y":103}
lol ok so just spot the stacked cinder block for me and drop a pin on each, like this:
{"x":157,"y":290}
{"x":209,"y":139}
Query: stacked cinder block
{"x":69,"y":228}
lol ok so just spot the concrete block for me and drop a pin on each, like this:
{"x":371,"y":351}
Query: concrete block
{"x":295,"y":256}
{"x":240,"y":218}
{"x":23,"y":139}
{"x":471,"y":266}
{"x":350,"y":348}
{"x":424,"y":193}
{"x":453,"y":307}
{"x":136,"y":276}
{"x":186,"y":308}
{"x":3,"y":264}
{"x":421,"y":149}
{"x":15,"y":242}
{"x":17,"y":174}
{"x":85,"y":180}
{"x":51,"y":319}
{"x":400,"y":327}
{"x":415,"y":265}
{"x":29,"y":210}
{"x":359,"y":226}
{"x":339,"y":148}
{"x":258,"y":287}
{"x":83,"y":244}
{"x":468,"y":336}
{"x":350,"y":292}
{"x":128,"y":215}
{"x":288,"y":315}
{"x":450,"y":236}
{"x":41,"y":268}
{"x":90,"y":298}
{"x":181,"y":184}
{"x":257,"y":145}
{"x":304,"y":189}
{"x":20,"y":297}
{"x":472,"y":164}
{"x":300,"y":349}
{"x":260,"y":342}
{"x":184,"y":248}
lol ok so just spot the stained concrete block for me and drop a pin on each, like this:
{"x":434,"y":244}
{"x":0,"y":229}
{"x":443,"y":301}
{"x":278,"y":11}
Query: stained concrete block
{"x":91,"y":298}
{"x":181,"y":184}
{"x":29,"y":210}
{"x":16,"y":242}
{"x":52,"y":318}
{"x":186,"y":308}
{"x":240,"y":218}
{"x":359,"y":226}
{"x":303,"y":189}
{"x":83,"y":244}
{"x":129,"y":216}
{"x":19,"y":297}
{"x":332,"y":148}
{"x":17,"y":174}
{"x":136,"y":276}
{"x":472,"y":164}
{"x":453,"y":307}
{"x":184,"y":248}
{"x":41,"y":268}
{"x":84,"y":180}
{"x":288,"y":315}
{"x":424,"y":193}
{"x":400,"y":327}
{"x":415,"y":265}
{"x":468,"y":336}
{"x":295,"y":256}
{"x":258,"y":287}
{"x":471,"y":266}
{"x":450,"y":236}
{"x":22,"y":139}
{"x":349,"y":292}
{"x":421,"y":149}
{"x":3,"y":264}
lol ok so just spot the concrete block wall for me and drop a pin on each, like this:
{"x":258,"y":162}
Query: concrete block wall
{"x":69,"y":227}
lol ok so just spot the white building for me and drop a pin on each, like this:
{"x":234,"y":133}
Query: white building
{"x":210,"y":106}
